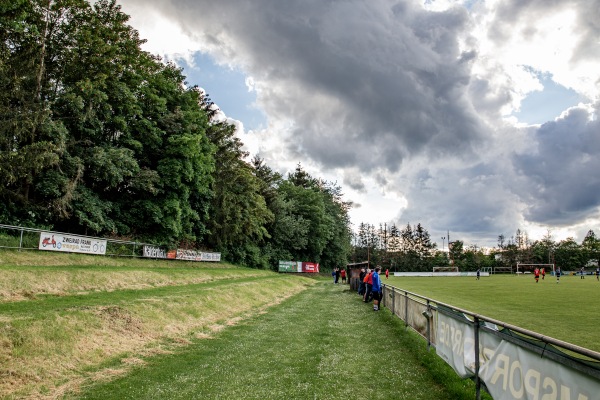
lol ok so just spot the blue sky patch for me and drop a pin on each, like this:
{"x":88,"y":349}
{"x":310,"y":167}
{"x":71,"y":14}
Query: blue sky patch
{"x":227,"y":88}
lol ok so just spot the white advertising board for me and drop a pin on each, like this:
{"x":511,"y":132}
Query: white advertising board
{"x":71,"y":244}
{"x":194,"y":255}
{"x":508,"y":370}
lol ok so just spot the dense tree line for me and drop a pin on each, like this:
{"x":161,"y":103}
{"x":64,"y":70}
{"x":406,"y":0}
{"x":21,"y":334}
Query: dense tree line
{"x":101,"y":138}
{"x":567,"y":253}
{"x":410,"y":249}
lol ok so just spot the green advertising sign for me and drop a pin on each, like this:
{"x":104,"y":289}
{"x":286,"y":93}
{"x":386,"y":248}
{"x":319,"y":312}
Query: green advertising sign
{"x":288,"y":266}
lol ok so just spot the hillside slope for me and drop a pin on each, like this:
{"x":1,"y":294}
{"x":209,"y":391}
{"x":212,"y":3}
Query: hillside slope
{"x":66,"y":318}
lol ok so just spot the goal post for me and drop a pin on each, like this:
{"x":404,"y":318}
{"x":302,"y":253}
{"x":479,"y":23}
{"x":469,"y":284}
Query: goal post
{"x":523,"y":267}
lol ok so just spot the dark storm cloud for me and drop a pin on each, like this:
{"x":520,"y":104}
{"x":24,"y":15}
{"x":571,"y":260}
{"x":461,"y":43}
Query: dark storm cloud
{"x":383,"y":77}
{"x":563,"y":186}
{"x":473,"y":202}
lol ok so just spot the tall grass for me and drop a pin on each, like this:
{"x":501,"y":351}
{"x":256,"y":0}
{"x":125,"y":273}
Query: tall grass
{"x":80,"y":321}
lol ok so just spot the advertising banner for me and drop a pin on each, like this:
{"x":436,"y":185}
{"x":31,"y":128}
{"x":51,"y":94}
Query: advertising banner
{"x":310,"y":267}
{"x":289,"y":266}
{"x":71,"y":244}
{"x":455,"y":342}
{"x":298,"y":266}
{"x":513,"y":372}
{"x":154,"y":252}
{"x":508,"y":370}
{"x":194,"y":255}
{"x":204,"y":256}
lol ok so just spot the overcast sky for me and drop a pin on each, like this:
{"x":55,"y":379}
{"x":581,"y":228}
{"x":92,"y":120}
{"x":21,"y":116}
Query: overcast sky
{"x":474,"y":117}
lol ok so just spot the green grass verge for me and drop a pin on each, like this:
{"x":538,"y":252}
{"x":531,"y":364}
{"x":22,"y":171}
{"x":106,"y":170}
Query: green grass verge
{"x":62,"y":325}
{"x":323,"y":343}
{"x":566,"y":311}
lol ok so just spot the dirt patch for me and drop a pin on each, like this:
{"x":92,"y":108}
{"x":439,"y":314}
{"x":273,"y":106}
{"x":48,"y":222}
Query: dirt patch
{"x":120,"y":319}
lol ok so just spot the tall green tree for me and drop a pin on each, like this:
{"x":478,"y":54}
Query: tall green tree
{"x":337,"y":250}
{"x":288,"y":231}
{"x":590,"y":247}
{"x":119,"y":142}
{"x":239,"y":213}
{"x":568,"y":255}
{"x":31,"y":139}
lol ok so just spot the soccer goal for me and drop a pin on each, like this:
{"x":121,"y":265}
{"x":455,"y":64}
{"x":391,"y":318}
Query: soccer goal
{"x":529,"y":268}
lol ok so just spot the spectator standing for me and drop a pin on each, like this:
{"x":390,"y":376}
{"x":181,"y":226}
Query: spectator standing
{"x":582,"y":272}
{"x":598,"y":273}
{"x":557,"y":272}
{"x":337,"y":275}
{"x":478,"y":273}
{"x":368,"y":285}
{"x":361,"y":283}
{"x":343,"y":273}
{"x":376,"y":288}
{"x":333,"y":274}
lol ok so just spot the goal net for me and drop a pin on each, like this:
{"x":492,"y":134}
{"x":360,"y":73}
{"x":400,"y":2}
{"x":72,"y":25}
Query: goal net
{"x":529,"y":268}
{"x":445,"y":269}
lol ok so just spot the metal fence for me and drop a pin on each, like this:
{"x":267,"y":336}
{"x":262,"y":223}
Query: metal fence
{"x":22,"y":238}
{"x":422,"y":315}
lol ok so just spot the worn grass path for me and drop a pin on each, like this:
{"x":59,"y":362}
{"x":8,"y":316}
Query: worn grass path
{"x":323,"y":343}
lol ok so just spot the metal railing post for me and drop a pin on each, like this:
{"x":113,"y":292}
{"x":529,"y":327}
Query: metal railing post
{"x":21,"y":240}
{"x":427,"y":314}
{"x":477,"y":379}
{"x":406,"y":309}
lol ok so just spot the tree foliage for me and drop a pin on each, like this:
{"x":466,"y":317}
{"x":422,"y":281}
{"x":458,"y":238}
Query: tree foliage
{"x":100,"y":137}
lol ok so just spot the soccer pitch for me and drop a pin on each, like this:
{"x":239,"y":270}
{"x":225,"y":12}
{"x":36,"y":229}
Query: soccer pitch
{"x":564,"y":311}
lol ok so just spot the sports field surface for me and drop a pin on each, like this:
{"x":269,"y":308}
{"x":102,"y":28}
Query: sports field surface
{"x":74,"y":326}
{"x":567,"y":310}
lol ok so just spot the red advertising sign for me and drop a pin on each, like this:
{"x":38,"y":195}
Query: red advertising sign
{"x":310,"y":267}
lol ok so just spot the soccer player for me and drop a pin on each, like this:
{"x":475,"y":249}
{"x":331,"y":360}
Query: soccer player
{"x":598,"y":273}
{"x":536,"y":272}
{"x":557,"y":272}
{"x":543,"y":273}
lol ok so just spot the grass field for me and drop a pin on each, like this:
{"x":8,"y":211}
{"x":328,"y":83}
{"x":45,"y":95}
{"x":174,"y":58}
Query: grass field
{"x":566,"y":311}
{"x":323,"y":343}
{"x":139,"y":328}
{"x":65,"y":319}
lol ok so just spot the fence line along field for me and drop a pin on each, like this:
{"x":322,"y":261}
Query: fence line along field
{"x":567,"y":310}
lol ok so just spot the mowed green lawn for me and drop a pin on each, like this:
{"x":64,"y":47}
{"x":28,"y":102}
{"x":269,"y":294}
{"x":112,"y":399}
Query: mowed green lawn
{"x":567,"y":311}
{"x":323,"y":343}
